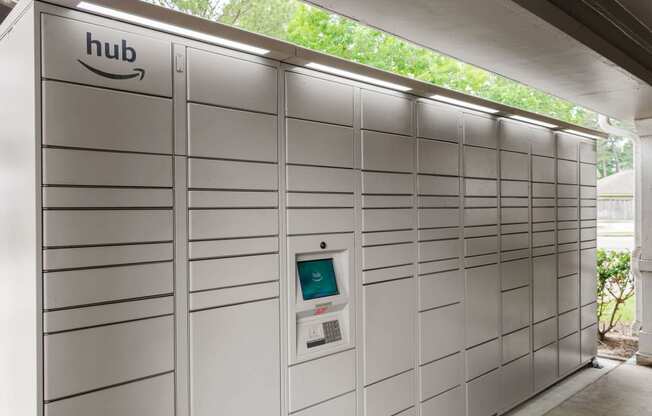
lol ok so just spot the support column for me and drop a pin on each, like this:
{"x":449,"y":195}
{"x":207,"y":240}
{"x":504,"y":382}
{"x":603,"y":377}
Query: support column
{"x":644,"y":295}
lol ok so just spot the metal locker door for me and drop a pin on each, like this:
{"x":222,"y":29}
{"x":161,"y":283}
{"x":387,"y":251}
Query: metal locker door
{"x":438,"y":121}
{"x":545,"y":287}
{"x":234,"y":369}
{"x":482,"y":304}
{"x":389,"y":333}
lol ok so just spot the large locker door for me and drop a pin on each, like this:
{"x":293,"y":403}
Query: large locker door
{"x":234,"y":358}
{"x":482,"y":303}
{"x":389,"y":333}
{"x":545,"y":287}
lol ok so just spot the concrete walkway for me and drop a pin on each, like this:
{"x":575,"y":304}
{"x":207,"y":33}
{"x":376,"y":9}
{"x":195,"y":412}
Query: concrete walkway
{"x":618,"y":389}
{"x":625,"y":391}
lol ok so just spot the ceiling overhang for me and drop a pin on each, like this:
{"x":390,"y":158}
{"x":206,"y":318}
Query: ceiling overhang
{"x":596,"y":53}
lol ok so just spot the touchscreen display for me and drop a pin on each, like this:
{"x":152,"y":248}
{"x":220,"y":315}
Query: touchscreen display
{"x":317,"y":278}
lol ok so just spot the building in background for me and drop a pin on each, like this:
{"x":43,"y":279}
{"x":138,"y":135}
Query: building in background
{"x":616,"y":211}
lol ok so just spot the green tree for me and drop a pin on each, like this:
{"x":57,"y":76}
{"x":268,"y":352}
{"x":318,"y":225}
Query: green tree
{"x":317,"y":29}
{"x":615,"y":287}
{"x":615,"y":154}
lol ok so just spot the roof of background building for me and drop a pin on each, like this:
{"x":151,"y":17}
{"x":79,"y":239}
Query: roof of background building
{"x":618,"y":184}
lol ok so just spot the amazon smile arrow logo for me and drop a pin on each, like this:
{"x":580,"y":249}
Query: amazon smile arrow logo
{"x":120,"y":51}
{"x":138,"y":72}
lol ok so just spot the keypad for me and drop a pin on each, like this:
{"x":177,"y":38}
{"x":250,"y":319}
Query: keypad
{"x":332,"y":331}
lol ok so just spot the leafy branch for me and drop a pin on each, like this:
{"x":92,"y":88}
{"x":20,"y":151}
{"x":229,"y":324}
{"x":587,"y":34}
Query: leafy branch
{"x":615,"y":286}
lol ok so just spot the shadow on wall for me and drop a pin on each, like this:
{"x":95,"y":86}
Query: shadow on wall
{"x":4,"y":11}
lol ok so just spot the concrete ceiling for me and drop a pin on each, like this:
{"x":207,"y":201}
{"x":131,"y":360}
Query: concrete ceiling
{"x":597,"y":53}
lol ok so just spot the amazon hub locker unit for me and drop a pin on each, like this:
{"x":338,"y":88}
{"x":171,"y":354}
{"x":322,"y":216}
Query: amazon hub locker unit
{"x":203,"y":232}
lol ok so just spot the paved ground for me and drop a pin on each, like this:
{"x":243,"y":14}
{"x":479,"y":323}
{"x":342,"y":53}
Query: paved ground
{"x":625,"y":391}
{"x":577,"y":393}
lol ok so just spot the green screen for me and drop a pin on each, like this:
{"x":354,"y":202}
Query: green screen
{"x":317,"y":278}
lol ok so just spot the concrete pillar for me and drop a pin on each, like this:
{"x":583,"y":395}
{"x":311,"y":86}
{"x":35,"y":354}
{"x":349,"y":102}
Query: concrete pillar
{"x":644,"y":197}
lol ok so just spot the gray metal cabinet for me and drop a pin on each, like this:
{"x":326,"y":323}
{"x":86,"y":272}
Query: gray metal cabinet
{"x":98,"y":227}
{"x":129,"y":351}
{"x":482,"y":359}
{"x":545,"y":366}
{"x":513,"y":136}
{"x":222,"y":382}
{"x":84,"y":167}
{"x":589,"y":347}
{"x":588,"y":152}
{"x":480,"y":163}
{"x":516,"y":345}
{"x":567,"y":146}
{"x":543,"y":169}
{"x":588,"y":281}
{"x":390,"y":396}
{"x":318,"y":179}
{"x":314,"y":382}
{"x":588,"y":315}
{"x":588,"y":175}
{"x":544,"y":287}
{"x":438,"y":121}
{"x":86,"y":117}
{"x":482,"y":302}
{"x":233,"y":271}
{"x":385,"y":112}
{"x":568,"y":263}
{"x":569,"y":293}
{"x":389,"y":332}
{"x":438,"y":158}
{"x":231,"y":134}
{"x":542,"y":142}
{"x":343,"y":405}
{"x":514,"y":166}
{"x":68,"y":288}
{"x":516,"y":381}
{"x":226,"y":174}
{"x":567,"y":172}
{"x":246,"y":85}
{"x":568,"y":323}
{"x":441,"y":375}
{"x":432,"y":323}
{"x":544,"y":333}
{"x":484,"y":395}
{"x":232,"y":223}
{"x":150,"y":397}
{"x":387,"y":152}
{"x":515,"y":274}
{"x":516,"y":309}
{"x":320,"y":144}
{"x":313,"y":98}
{"x":441,"y":289}
{"x":480,"y":130}
{"x":450,"y":403}
{"x":569,"y":353}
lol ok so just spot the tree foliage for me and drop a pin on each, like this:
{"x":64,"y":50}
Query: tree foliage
{"x":615,"y":154}
{"x":314,"y":28}
{"x":615,"y":286}
{"x":317,"y":29}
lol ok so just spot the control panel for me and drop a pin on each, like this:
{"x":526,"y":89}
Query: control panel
{"x":321,"y":302}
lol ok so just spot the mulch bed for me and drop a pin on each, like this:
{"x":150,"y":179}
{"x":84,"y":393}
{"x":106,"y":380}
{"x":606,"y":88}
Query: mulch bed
{"x":618,"y":346}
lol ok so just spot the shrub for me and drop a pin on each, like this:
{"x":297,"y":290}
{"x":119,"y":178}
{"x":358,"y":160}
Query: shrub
{"x":615,"y":286}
